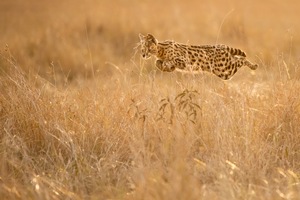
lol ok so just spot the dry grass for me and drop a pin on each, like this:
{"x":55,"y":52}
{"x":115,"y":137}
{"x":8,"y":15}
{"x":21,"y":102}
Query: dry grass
{"x":82,"y":117}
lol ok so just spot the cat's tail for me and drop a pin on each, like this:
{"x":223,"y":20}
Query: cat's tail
{"x":236,"y":52}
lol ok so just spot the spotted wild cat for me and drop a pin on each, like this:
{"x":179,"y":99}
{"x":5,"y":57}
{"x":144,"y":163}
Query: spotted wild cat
{"x":221,"y":60}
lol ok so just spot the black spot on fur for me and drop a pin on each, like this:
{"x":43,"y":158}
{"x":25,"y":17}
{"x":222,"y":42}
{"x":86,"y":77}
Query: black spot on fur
{"x":234,"y":70}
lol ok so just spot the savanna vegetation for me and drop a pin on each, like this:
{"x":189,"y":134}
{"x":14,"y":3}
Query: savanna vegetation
{"x":82,"y":116}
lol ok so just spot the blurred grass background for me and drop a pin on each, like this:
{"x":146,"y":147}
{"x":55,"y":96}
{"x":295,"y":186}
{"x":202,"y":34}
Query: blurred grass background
{"x":75,"y":37}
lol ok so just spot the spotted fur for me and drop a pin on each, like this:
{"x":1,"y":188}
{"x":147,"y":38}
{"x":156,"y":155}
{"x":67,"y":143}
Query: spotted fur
{"x":221,"y":60}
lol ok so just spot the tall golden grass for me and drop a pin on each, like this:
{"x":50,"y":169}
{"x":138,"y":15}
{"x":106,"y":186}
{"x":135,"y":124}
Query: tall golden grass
{"x":83,"y":117}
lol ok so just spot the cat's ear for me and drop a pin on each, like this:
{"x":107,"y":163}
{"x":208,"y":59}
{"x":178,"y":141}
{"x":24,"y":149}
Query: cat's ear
{"x":142,"y":37}
{"x":151,"y":38}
